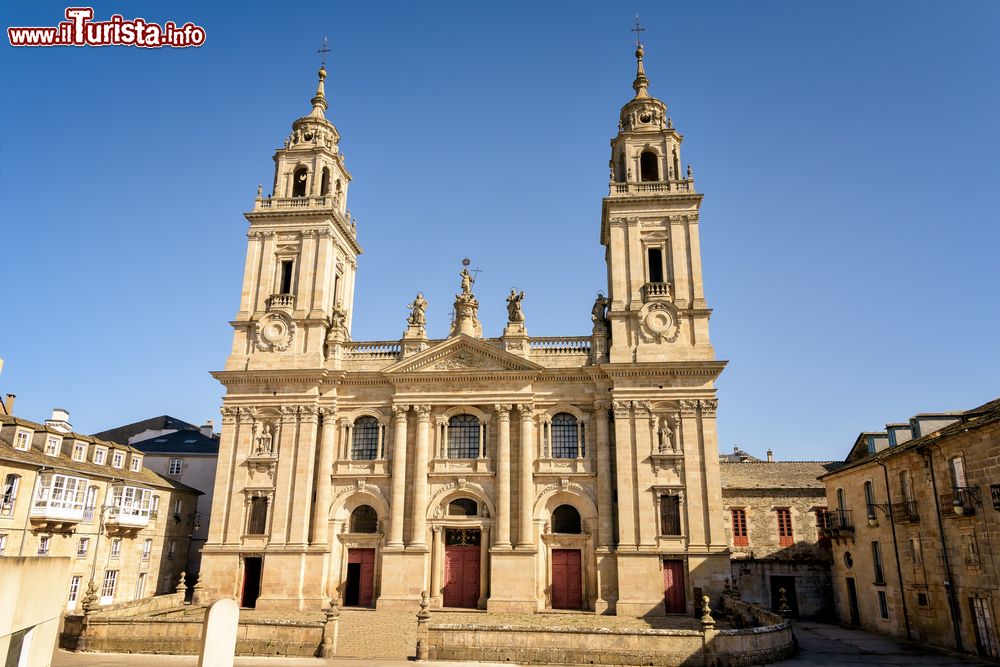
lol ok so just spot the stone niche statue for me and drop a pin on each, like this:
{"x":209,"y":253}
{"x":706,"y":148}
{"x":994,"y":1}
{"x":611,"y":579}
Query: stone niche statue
{"x":666,"y":436}
{"x":418,"y":311}
{"x":264,"y":441}
{"x":514,"y":312}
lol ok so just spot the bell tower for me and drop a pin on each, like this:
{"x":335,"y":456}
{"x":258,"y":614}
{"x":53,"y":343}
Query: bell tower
{"x":649,"y":227}
{"x":302,"y":250}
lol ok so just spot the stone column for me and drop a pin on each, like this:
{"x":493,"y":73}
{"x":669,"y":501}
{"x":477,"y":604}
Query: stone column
{"x":418,"y":521}
{"x":436,"y":562}
{"x":693,"y":502}
{"x":398,"y":476}
{"x":327,"y":448}
{"x":503,"y":474}
{"x":625,"y":480}
{"x":526,"y":486}
{"x":305,"y":474}
{"x":605,"y":536}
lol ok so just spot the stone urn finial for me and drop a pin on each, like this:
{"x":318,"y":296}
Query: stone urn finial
{"x":707,"y":622}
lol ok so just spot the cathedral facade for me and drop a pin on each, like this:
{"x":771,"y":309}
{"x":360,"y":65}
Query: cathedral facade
{"x":512,"y":474}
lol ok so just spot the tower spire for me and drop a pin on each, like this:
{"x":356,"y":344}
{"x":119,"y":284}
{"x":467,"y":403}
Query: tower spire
{"x":641,"y":83}
{"x":319,"y":101}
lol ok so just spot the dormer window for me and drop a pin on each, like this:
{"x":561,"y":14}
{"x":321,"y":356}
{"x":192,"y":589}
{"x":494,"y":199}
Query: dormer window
{"x":299,"y":181}
{"x":52,"y":446}
{"x":79,"y":451}
{"x":22,"y":440}
{"x":135,"y":465}
{"x":118,"y":459}
{"x":649,"y":168}
{"x":100,"y":455}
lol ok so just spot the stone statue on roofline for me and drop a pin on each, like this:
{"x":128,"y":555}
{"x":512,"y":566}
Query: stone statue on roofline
{"x":514,"y":312}
{"x":598,"y":314}
{"x":418,"y":311}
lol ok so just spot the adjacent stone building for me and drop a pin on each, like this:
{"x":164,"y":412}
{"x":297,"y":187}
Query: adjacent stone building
{"x":512,"y":473}
{"x":914,"y":519}
{"x":183,"y":452}
{"x":125,"y":528}
{"x":774,"y":513}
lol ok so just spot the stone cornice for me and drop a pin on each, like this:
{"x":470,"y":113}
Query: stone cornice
{"x":291,"y":376}
{"x":308,"y":215}
{"x":711,"y":369}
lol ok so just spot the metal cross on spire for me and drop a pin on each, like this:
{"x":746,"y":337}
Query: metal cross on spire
{"x":638,"y":30}
{"x":326,"y":49}
{"x":475,"y":272}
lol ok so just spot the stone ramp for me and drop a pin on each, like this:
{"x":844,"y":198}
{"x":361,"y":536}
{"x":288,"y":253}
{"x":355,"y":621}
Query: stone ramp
{"x":366,"y":633}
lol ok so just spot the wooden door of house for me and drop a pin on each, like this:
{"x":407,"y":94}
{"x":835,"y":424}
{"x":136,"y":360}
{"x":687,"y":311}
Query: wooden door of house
{"x":359,"y":588}
{"x":852,"y":601}
{"x":461,"y":568}
{"x":567,"y":580}
{"x":673,"y":586}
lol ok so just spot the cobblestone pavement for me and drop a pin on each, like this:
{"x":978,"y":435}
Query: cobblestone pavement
{"x":823,"y":644}
{"x":67,"y":659}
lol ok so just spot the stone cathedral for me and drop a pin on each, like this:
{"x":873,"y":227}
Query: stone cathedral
{"x":512,"y":474}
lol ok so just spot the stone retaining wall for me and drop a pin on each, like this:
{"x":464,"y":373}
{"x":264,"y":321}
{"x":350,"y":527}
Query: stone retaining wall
{"x":769,"y":641}
{"x":181,"y":634}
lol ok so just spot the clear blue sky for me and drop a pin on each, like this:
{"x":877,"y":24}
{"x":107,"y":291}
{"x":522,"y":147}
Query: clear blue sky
{"x":847,"y":152}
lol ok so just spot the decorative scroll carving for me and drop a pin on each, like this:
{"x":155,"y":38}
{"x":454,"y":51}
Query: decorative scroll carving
{"x":709,"y":406}
{"x":399,"y":412}
{"x":658,"y":323}
{"x":230,"y":414}
{"x":621,"y":408}
{"x":464,"y":360}
{"x":423,"y":412}
{"x":275,"y":332}
{"x":688,"y":407}
{"x":527,"y":410}
{"x":642,"y":408}
{"x":503,"y":411}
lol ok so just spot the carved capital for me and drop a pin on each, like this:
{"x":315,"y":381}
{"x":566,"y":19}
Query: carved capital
{"x":527,"y":411}
{"x":423,"y":412}
{"x":688,"y":407}
{"x":229,"y":414}
{"x":709,"y":406}
{"x":641,"y":408}
{"x":246,"y":415}
{"x":602,"y":405}
{"x":329,"y":412}
{"x":503,"y":411}
{"x":309,"y":413}
{"x":621,"y":408}
{"x":399,"y":412}
{"x":345,"y":422}
{"x":289,"y":413}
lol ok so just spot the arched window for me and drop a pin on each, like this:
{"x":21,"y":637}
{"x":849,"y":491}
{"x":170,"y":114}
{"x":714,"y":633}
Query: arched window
{"x":324,"y":185}
{"x":299,"y":181}
{"x":564,"y":436}
{"x":649,"y":168}
{"x":364,"y":439}
{"x":463,"y":437}
{"x":463,"y":507}
{"x":364,"y":519}
{"x":565,"y":519}
{"x":9,"y":497}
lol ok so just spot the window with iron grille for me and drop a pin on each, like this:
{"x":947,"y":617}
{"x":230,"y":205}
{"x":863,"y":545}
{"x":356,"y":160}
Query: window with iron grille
{"x":995,"y":495}
{"x":739,"y":519}
{"x":566,"y":520}
{"x":563,"y":430}
{"x":877,"y":563}
{"x":364,"y":519}
{"x":257,"y":522}
{"x":670,"y":514}
{"x":83,"y":547}
{"x":43,"y":546}
{"x":463,"y":437}
{"x":785,"y":536}
{"x":463,"y":507}
{"x":364,"y":439}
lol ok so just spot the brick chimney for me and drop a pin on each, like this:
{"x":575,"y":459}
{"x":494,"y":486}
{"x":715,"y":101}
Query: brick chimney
{"x":208,"y":428}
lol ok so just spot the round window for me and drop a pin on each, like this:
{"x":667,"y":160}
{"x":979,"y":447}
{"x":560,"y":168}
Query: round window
{"x":848,"y":559}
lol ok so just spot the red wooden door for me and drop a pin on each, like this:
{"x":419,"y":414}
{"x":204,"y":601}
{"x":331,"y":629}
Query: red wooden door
{"x":461,"y":572}
{"x":567,"y":584}
{"x":673,"y":586}
{"x":366,"y":584}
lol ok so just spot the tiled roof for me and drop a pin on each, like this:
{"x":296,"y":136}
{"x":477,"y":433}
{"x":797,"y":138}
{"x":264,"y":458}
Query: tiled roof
{"x":737,"y":456}
{"x":163,"y":422}
{"x":180,"y":442}
{"x":34,"y":456}
{"x":775,"y":474}
{"x":984,"y":415}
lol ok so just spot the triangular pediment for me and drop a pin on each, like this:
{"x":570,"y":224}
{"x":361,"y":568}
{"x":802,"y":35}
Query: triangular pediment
{"x":463,"y":353}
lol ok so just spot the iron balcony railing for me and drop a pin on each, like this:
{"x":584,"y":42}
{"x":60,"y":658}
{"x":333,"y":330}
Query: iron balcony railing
{"x":838,"y":522}
{"x":906,"y":510}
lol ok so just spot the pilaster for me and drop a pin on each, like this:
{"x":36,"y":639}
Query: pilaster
{"x":503,"y":475}
{"x":625,"y":477}
{"x":324,"y":468}
{"x":398,"y":502}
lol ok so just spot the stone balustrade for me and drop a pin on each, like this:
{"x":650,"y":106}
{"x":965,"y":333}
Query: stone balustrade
{"x":281,"y":301}
{"x":560,"y":345}
{"x":379,"y":349}
{"x":684,"y":185}
{"x":279,"y":203}
{"x":656,"y":290}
